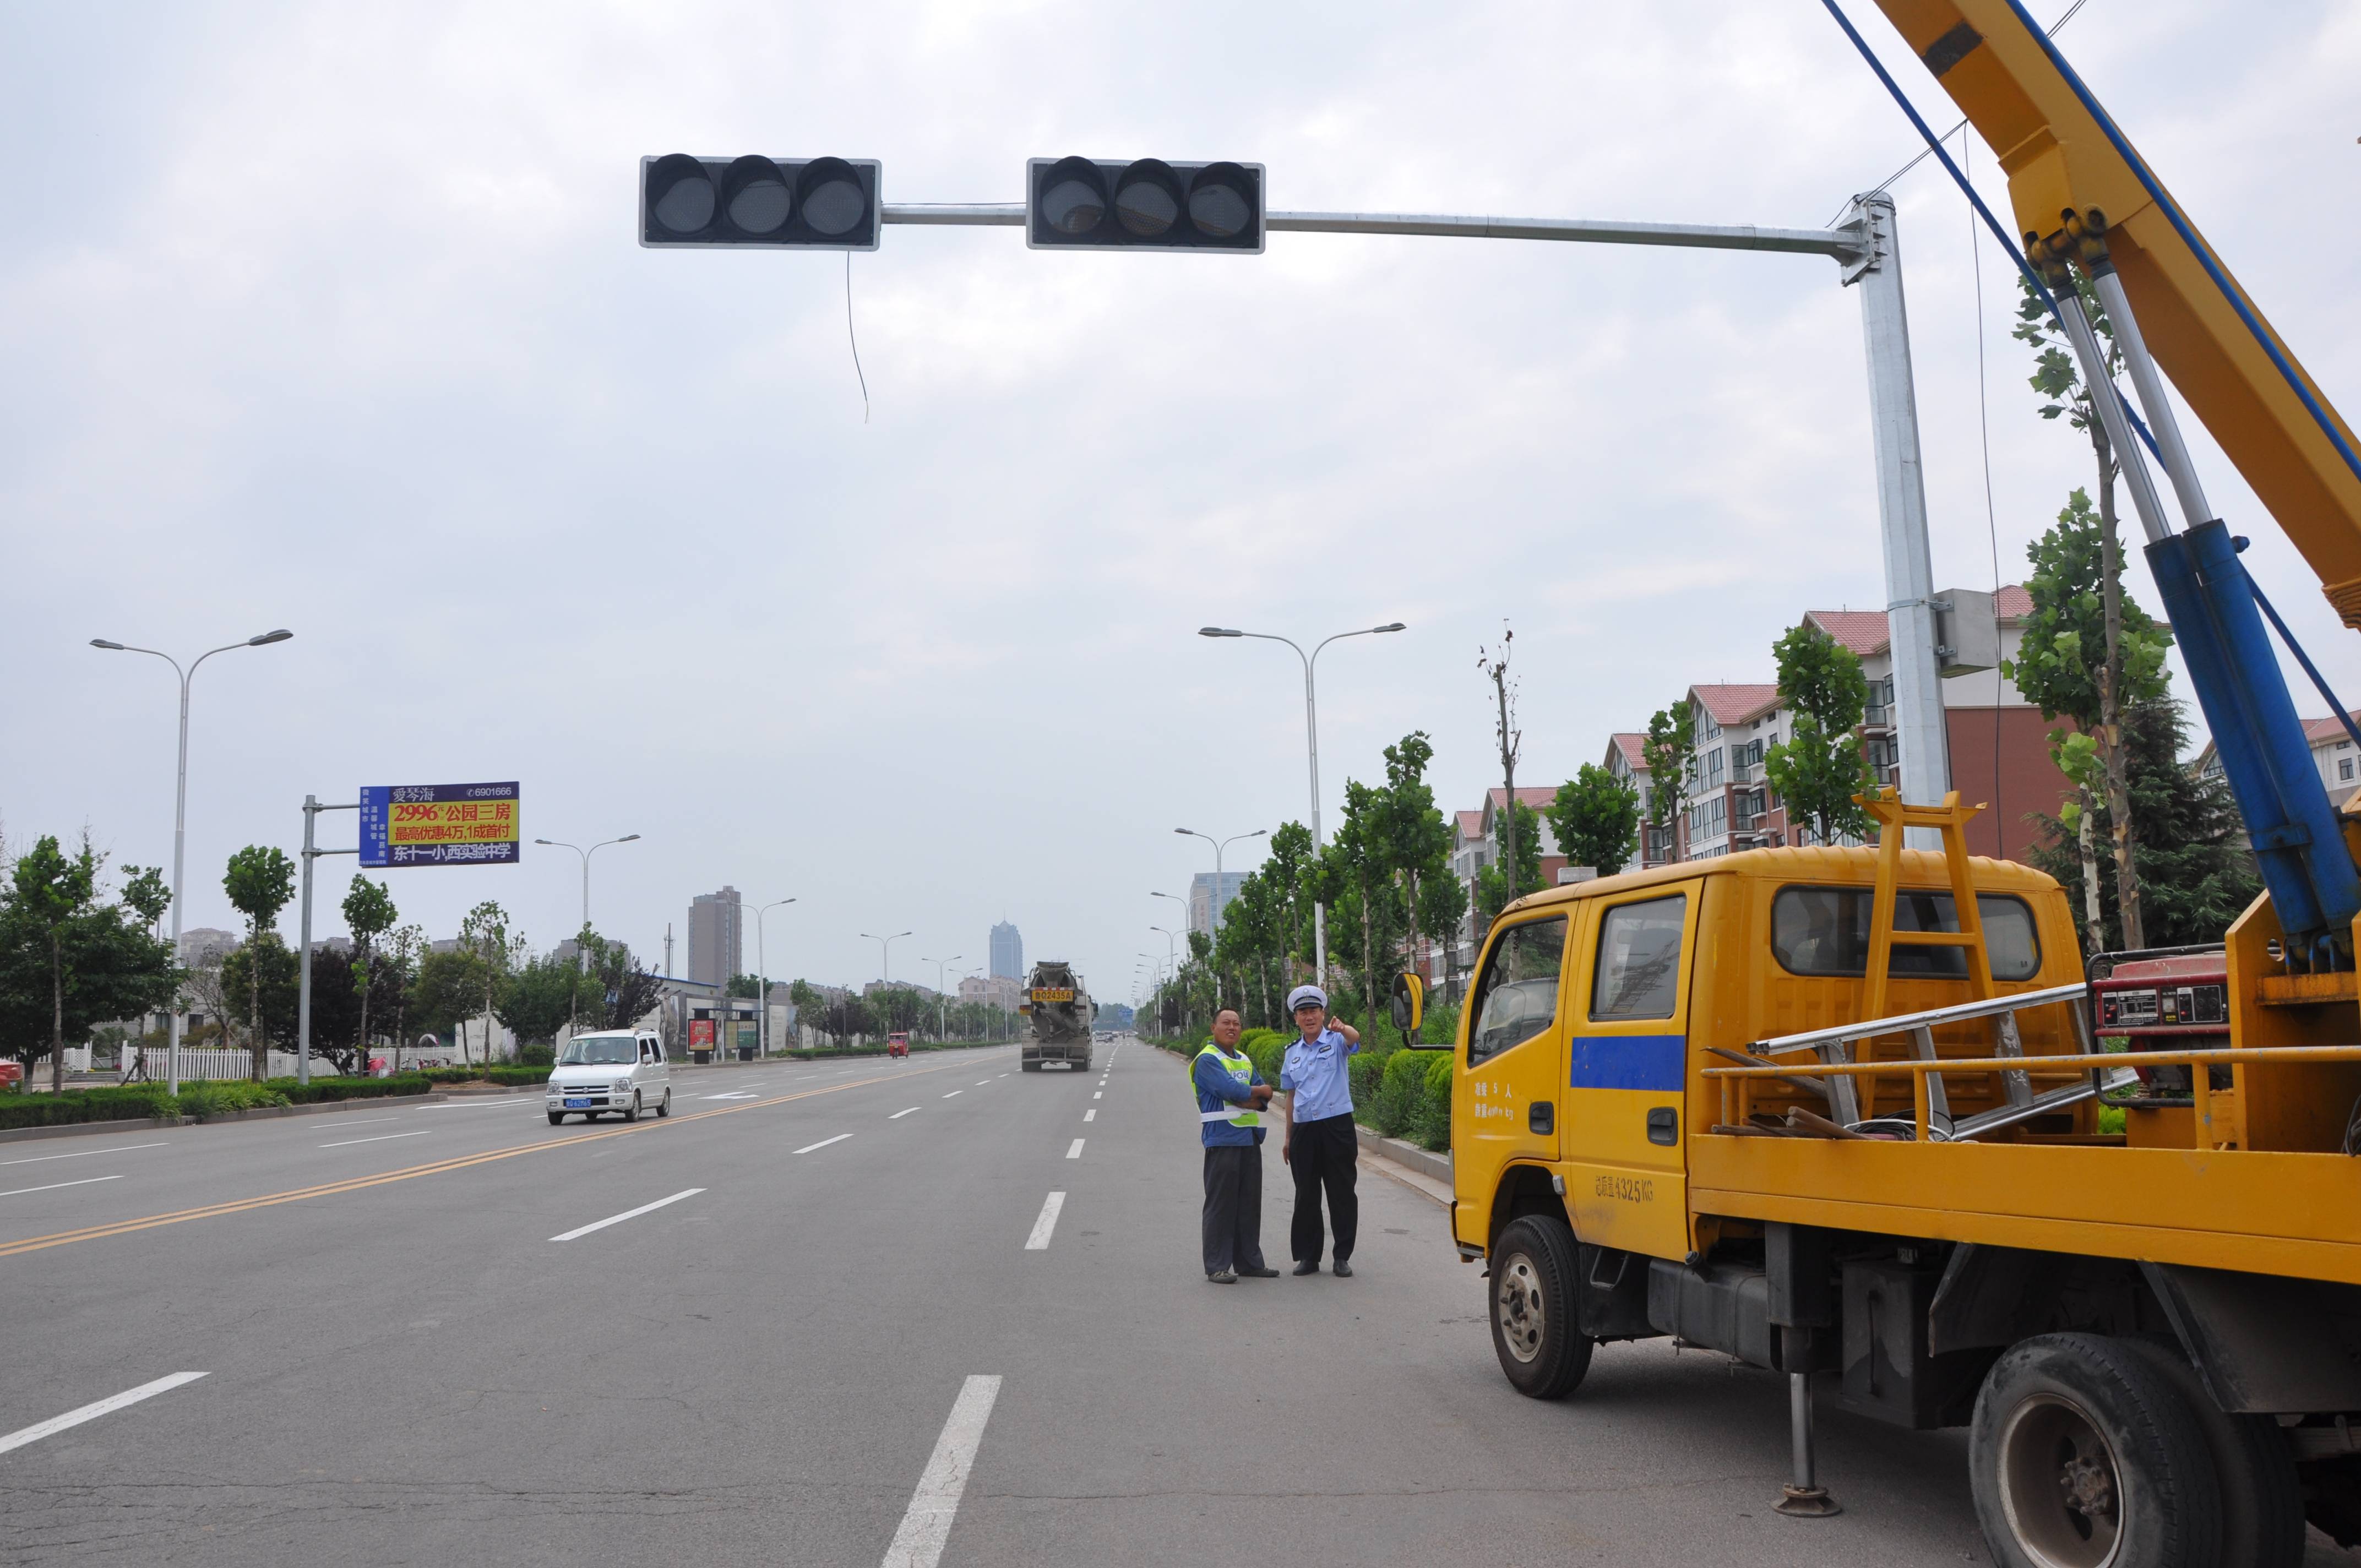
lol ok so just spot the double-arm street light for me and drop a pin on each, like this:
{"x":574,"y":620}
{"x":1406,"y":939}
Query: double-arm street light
{"x":885,"y":955}
{"x":561,"y":844}
{"x":1219,"y":900}
{"x":940,"y":964}
{"x":762,"y":981}
{"x":181,"y":801}
{"x":1312,"y":736}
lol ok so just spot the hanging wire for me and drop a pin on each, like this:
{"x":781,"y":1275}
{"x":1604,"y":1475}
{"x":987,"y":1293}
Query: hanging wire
{"x":853,"y":340}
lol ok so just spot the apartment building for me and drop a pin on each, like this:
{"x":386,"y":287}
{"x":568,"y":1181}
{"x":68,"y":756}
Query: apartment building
{"x":2332,"y":753}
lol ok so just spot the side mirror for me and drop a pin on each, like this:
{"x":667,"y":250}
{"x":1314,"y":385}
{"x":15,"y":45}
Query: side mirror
{"x":1410,"y":1009}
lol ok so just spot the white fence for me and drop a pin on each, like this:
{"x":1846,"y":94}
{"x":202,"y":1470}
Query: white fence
{"x":202,"y":1064}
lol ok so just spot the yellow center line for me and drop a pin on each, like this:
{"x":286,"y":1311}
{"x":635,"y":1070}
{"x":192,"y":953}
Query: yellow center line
{"x":432,"y":1168}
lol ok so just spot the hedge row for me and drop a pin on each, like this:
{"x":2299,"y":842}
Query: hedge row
{"x":1400,"y":1094}
{"x":115,"y":1104}
{"x":492,"y":1074}
{"x":202,"y":1097}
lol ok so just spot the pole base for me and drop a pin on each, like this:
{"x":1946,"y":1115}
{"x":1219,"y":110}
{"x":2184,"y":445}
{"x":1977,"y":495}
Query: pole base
{"x":1806,"y":1503}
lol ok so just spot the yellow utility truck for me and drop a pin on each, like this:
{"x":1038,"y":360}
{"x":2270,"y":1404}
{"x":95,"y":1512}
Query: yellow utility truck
{"x":1846,"y":1112}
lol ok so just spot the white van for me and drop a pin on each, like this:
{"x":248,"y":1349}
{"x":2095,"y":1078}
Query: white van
{"x":615,"y":1070}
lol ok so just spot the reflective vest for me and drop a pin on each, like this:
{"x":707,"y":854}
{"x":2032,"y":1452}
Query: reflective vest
{"x":1240,"y":1068}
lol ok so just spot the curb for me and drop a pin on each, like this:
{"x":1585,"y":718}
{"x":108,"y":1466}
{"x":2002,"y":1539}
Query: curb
{"x":145,"y":1123}
{"x":75,"y":1129}
{"x":1407,"y":1155}
{"x":256,"y":1112}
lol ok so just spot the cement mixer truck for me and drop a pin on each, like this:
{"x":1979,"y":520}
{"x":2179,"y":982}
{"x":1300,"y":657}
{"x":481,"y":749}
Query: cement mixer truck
{"x":1060,"y":1013}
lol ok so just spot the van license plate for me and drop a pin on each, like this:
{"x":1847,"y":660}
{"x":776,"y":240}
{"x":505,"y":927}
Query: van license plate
{"x":577,"y":1104}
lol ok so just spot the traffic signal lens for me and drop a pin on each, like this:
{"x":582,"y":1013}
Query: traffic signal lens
{"x":1073,"y":198}
{"x":680,"y":194}
{"x":833,"y":201}
{"x":1219,"y":203}
{"x":1148,"y":198}
{"x":755,"y":196}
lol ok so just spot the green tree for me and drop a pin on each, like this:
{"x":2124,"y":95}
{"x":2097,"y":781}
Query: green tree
{"x":744,"y":985}
{"x":259,"y":881}
{"x":368,"y":915}
{"x":266,"y":971}
{"x":1289,"y":869}
{"x":622,"y":990}
{"x":1494,"y":892}
{"x":1415,"y":840}
{"x":146,"y":892}
{"x":1820,"y":768}
{"x":337,"y":998}
{"x":49,"y":890}
{"x":447,"y":988}
{"x":69,"y":960}
{"x":484,"y":934}
{"x":2086,"y":661}
{"x":1667,"y":754}
{"x":541,"y":997}
{"x":1596,"y":819}
{"x":396,"y":974}
{"x":2195,"y":873}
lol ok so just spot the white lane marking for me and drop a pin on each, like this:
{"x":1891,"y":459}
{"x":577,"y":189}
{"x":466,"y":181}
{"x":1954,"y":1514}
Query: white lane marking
{"x":502,"y":1102}
{"x":824,"y":1143}
{"x":899,"y":1114}
{"x":91,"y":1412}
{"x":926,"y":1523}
{"x":626,"y":1214}
{"x":1004,"y":1075}
{"x":1076,"y":1152}
{"x":1090,"y":1115}
{"x":1039,"y":1240}
{"x":1098,"y":1094}
{"x":369,"y":1121}
{"x":982,"y":1081}
{"x":739,"y":1094}
{"x":53,"y":1186}
{"x":36,"y":1159}
{"x":955,"y":1093}
{"x":379,"y":1139}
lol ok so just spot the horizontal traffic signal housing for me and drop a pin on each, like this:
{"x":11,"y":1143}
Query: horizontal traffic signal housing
{"x":1084,"y":203}
{"x":817,"y":204}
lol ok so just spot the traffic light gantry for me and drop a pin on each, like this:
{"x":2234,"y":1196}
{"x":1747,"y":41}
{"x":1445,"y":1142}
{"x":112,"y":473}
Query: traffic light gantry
{"x":1084,"y":203}
{"x":818,"y":204}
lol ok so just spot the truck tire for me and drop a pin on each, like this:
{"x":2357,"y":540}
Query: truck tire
{"x":2083,"y":1453}
{"x":1535,"y":1334}
{"x":1084,"y":1066}
{"x":2262,"y":1502}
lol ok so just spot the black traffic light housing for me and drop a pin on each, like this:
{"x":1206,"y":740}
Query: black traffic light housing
{"x":1084,"y":203}
{"x":780,"y":203}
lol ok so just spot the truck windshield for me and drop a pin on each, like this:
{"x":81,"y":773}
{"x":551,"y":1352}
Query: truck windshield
{"x":600,"y":1052}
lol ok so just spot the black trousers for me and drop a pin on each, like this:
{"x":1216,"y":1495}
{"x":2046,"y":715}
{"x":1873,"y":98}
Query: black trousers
{"x":1233,"y":1207}
{"x":1324,"y":1153}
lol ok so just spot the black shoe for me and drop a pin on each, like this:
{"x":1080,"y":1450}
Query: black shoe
{"x":1311,"y":1267}
{"x":1258,"y":1273}
{"x":1343,"y":1269}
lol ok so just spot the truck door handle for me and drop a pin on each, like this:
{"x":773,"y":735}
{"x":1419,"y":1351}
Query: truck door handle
{"x":1542,"y":1117}
{"x":1663,"y":1125}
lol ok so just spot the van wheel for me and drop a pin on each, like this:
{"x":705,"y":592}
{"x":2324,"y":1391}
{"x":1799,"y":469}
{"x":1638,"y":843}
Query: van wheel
{"x":2082,"y":1454}
{"x":555,"y":1118}
{"x":664,"y":1106}
{"x":631,"y":1111}
{"x":1533,"y":1329}
{"x":2262,"y":1502}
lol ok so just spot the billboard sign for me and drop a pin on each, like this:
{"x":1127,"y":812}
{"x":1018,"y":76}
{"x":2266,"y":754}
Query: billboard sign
{"x":439,"y":825}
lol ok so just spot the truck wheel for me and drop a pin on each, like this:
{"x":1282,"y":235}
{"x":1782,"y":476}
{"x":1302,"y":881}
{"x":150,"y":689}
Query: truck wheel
{"x":1533,"y":1329}
{"x":2082,"y":1454}
{"x":2262,"y":1502}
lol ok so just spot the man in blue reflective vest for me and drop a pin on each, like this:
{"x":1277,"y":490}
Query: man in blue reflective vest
{"x":1320,"y":1144}
{"x":1230,"y":1093}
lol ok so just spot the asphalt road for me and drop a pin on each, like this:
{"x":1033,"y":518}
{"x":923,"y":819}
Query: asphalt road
{"x":826,"y":1340}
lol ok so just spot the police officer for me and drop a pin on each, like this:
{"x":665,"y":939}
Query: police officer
{"x":1229,"y":1095}
{"x":1320,"y":1145}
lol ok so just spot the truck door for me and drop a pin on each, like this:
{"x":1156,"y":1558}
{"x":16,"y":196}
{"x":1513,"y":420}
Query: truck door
{"x":1627,"y":1063}
{"x":1506,"y":1107}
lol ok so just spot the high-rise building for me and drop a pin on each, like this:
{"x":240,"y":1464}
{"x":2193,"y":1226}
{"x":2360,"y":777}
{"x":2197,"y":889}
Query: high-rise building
{"x":1007,"y":952}
{"x":716,"y":937}
{"x":1207,"y":903}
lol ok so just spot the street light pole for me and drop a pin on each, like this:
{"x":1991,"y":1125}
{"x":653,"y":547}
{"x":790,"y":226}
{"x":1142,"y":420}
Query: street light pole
{"x":583,"y":953}
{"x":886,"y":964}
{"x":762,"y":980}
{"x":940,"y":964}
{"x":1312,"y":734}
{"x":181,"y":804}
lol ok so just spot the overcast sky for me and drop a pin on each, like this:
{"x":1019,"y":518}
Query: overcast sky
{"x":331,"y":317}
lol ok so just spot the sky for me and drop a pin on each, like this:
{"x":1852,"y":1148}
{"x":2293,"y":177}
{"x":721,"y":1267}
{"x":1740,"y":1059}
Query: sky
{"x":333,"y":318}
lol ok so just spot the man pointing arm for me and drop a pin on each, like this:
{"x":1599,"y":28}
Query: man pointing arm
{"x":1320,"y":1144}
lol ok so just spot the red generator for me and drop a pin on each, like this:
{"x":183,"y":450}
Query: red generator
{"x":2161,"y":999}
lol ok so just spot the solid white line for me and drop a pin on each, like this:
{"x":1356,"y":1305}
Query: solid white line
{"x":53,"y":1186}
{"x":626,"y":1214}
{"x":927,"y":1524}
{"x":380,"y":1138}
{"x":824,"y":1143}
{"x":899,"y":1114}
{"x":1076,"y":1152}
{"x":36,"y":1159}
{"x":1090,"y":1115}
{"x":1039,"y":1240}
{"x":91,"y":1412}
{"x":955,"y":1093}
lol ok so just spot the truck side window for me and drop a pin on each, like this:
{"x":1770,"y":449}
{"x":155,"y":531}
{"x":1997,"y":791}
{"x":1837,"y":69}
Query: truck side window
{"x":1640,"y":960}
{"x":1825,"y":931}
{"x":1517,"y":997}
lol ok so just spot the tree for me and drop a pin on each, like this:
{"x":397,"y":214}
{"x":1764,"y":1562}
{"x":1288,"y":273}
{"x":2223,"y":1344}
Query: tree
{"x":1494,"y":890}
{"x":2196,"y":876}
{"x":541,"y":997}
{"x":265,"y":974}
{"x":1289,"y":868}
{"x":447,"y":988}
{"x":1496,"y":668}
{"x":626,"y":991}
{"x":67,"y":961}
{"x":744,"y":986}
{"x":49,"y":890}
{"x":485,"y":933}
{"x":259,"y":881}
{"x":2056,"y":671}
{"x":1596,"y":819}
{"x":337,"y":998}
{"x":146,"y":892}
{"x":368,"y":915}
{"x":2056,"y":376}
{"x":1820,"y":768}
{"x":1667,"y":754}
{"x":1416,"y":843}
{"x":392,"y":984}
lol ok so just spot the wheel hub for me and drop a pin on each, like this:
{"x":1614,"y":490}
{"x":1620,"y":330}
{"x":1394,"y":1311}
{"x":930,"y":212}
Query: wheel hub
{"x":2061,"y":1486}
{"x":1521,"y":1316}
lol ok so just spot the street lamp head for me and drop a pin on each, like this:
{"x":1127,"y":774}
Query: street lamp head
{"x":1392,"y":626}
{"x":282,"y":635}
{"x":627,"y":837}
{"x":1259,"y":833}
{"x":552,"y":842}
{"x":1218,"y":632}
{"x":102,"y":643}
{"x":1187,"y":832}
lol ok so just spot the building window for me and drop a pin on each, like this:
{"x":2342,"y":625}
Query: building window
{"x":2344,"y":775}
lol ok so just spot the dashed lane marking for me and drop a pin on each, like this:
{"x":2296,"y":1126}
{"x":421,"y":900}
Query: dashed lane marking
{"x":626,"y":1214}
{"x":1075,"y":1152}
{"x":824,"y":1143}
{"x":926,"y":1523}
{"x":53,"y":1186}
{"x":899,"y":1114}
{"x":1090,"y":1115}
{"x":1051,"y":1207}
{"x":381,"y":1137}
{"x":80,"y":1153}
{"x":955,"y":1093}
{"x":91,"y":1412}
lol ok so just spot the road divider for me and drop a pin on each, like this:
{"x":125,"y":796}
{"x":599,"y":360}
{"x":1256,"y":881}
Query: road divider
{"x":926,"y":1522}
{"x":824,"y":1143}
{"x":1050,"y":1208}
{"x":91,"y":1412}
{"x":626,"y":1214}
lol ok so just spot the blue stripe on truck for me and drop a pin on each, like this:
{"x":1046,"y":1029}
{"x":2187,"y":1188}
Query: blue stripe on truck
{"x":1628,"y":1061}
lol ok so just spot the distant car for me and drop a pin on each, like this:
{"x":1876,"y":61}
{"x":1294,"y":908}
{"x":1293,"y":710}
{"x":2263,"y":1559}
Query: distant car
{"x":617,"y":1069}
{"x":898,"y":1045}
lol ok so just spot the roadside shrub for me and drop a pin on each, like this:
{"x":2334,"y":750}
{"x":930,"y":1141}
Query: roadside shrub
{"x":118,"y":1103}
{"x":1430,"y":1125}
{"x":327,"y":1089}
{"x":494,"y":1073}
{"x":537,"y":1055}
{"x":212,"y":1097}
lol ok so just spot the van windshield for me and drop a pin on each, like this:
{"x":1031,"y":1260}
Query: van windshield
{"x":600,"y":1050}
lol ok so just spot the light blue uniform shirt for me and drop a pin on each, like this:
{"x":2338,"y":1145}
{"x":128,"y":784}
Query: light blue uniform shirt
{"x":1314,"y":1072}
